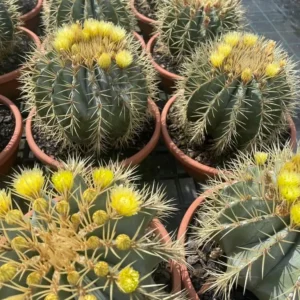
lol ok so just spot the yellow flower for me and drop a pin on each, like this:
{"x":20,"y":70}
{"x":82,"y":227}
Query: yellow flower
{"x":19,"y":243}
{"x":224,"y":49}
{"x":40,"y":205}
{"x":7,"y":272}
{"x":101,"y":269}
{"x":62,"y":207}
{"x":123,"y":242}
{"x":295,"y":214}
{"x":217,"y":59}
{"x":296,"y":161}
{"x":124,"y":59}
{"x":288,"y":179}
{"x":250,"y":39}
{"x":125,"y":201}
{"x":5,"y":203}
{"x":64,"y":39}
{"x":106,"y":28}
{"x":246,"y":75}
{"x":73,"y":277}
{"x":261,"y":158}
{"x":91,"y":29}
{"x":29,"y":183}
{"x":290,"y":194}
{"x":13,"y":216}
{"x":63,"y":181}
{"x":118,"y":34}
{"x":51,"y":296}
{"x":103,"y":177}
{"x":128,"y":280}
{"x":104,"y":61}
{"x":93,"y":242}
{"x":289,"y":167}
{"x":33,"y":278}
{"x":272,"y":70}
{"x":100,"y":217}
{"x":232,"y":38}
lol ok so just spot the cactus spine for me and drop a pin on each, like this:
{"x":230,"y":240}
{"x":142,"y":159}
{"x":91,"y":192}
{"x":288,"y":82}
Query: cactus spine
{"x":9,"y":22}
{"x":184,"y":25}
{"x":60,"y":12}
{"x":88,"y":237}
{"x":255,"y":220}
{"x":237,"y":91}
{"x":91,"y":88}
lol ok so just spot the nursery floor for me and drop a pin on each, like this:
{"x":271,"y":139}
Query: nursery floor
{"x":276,"y":19}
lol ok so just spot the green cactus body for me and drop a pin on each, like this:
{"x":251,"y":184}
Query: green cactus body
{"x":87,"y":97}
{"x":9,"y":22}
{"x":255,"y":220}
{"x":88,"y":237}
{"x":184,"y":25}
{"x":60,"y":12}
{"x":237,"y":92}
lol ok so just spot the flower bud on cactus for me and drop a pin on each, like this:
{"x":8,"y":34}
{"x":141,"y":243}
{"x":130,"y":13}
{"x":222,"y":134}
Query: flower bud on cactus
{"x":60,"y":12}
{"x":237,"y":91}
{"x":9,"y":22}
{"x":183,"y":25}
{"x":48,"y":256}
{"x":255,"y":218}
{"x":90,"y":88}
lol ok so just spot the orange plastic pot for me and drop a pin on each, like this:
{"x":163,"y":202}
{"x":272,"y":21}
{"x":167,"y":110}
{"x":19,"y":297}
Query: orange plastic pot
{"x":194,"y":168}
{"x":9,"y":153}
{"x":32,"y":18}
{"x":9,"y":83}
{"x":168,"y":79}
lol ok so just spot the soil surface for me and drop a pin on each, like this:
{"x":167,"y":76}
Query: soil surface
{"x":146,"y":8}
{"x":26,"y":6}
{"x":203,"y":259}
{"x":162,"y":275}
{"x":54,"y":149}
{"x":15,"y":58}
{"x":165,"y":61}
{"x":7,"y":126}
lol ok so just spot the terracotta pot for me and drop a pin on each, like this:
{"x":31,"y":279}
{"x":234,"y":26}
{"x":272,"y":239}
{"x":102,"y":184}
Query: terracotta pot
{"x":145,"y":24}
{"x":133,"y":160}
{"x":195,"y":169}
{"x":9,"y":153}
{"x":9,"y":83}
{"x":168,"y":79}
{"x":32,"y":18}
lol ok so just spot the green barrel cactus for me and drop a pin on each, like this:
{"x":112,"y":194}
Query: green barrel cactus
{"x":90,"y":89}
{"x":60,"y":12}
{"x":236,"y":92}
{"x":184,"y":25}
{"x":88,"y":237}
{"x":255,"y":218}
{"x":9,"y":23}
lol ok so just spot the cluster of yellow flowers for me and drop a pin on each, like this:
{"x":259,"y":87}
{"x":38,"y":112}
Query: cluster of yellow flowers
{"x":95,"y":41}
{"x":245,"y":54}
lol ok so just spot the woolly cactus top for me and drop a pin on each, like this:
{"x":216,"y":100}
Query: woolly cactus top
{"x":87,"y":238}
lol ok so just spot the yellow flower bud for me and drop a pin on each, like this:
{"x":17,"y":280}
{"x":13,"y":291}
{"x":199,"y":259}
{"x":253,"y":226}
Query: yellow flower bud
{"x":123,"y":242}
{"x":51,"y":296}
{"x":250,"y":39}
{"x":62,"y":207}
{"x":19,"y":243}
{"x":7,"y":272}
{"x":124,"y":59}
{"x":93,"y":242}
{"x":101,"y":269}
{"x":63,"y":181}
{"x":5,"y":203}
{"x":232,"y":38}
{"x":40,"y":205}
{"x":73,"y":277}
{"x":103,"y":177}
{"x":288,"y":179}
{"x":272,"y":70}
{"x":100,"y":217}
{"x":118,"y":34}
{"x":13,"y":217}
{"x":128,"y":280}
{"x":217,"y":59}
{"x":290,"y":194}
{"x":260,"y":158}
{"x":246,"y":75}
{"x":33,"y":278}
{"x":90,"y":297}
{"x":89,"y":195}
{"x":224,"y":49}
{"x":75,"y":218}
{"x":104,"y":61}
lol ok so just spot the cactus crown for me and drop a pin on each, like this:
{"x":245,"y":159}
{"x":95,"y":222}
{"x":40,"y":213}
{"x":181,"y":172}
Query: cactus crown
{"x":91,"y":87}
{"x":9,"y":23}
{"x":184,"y":25}
{"x":59,"y":12}
{"x":88,"y":237}
{"x":237,"y":91}
{"x":255,"y":218}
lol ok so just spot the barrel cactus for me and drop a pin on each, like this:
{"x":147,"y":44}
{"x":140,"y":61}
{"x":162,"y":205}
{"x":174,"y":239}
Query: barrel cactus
{"x":183,"y":25}
{"x":255,"y":218}
{"x":236,"y":92}
{"x":88,"y":237}
{"x":59,"y":12}
{"x":90,"y":89}
{"x":9,"y":22}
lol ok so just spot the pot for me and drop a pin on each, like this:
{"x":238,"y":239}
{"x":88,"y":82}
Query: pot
{"x":9,"y":83}
{"x":195,"y":169}
{"x":133,"y":160}
{"x":168,"y":79}
{"x":9,"y":154}
{"x":145,"y":24}
{"x":32,"y":18}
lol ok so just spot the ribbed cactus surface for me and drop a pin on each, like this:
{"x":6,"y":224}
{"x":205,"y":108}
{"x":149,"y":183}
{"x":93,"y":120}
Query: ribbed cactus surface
{"x":255,"y":218}
{"x":184,"y":25}
{"x":237,"y":91}
{"x":60,"y":12}
{"x":88,"y":237}
{"x":91,"y":88}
